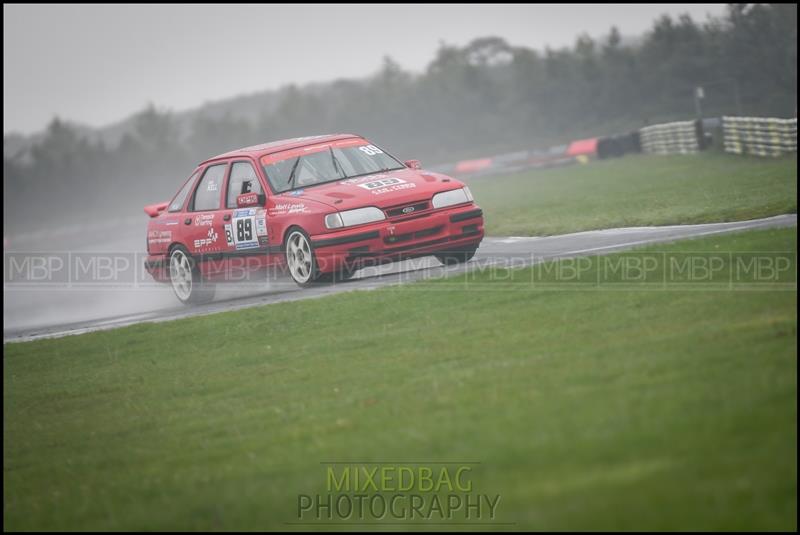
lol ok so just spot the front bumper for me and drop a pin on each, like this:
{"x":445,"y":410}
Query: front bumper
{"x":448,"y":229}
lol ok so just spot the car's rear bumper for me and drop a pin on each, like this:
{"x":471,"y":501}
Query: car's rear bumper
{"x":156,"y":266}
{"x":427,"y":233}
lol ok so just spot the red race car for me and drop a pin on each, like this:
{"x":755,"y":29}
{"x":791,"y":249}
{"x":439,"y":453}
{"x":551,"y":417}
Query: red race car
{"x":323,"y":206}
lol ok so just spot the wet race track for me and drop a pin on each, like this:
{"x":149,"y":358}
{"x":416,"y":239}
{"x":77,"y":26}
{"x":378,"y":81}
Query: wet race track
{"x":51,"y":310}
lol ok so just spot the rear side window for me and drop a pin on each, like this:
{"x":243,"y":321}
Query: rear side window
{"x":207,"y":195}
{"x":243,"y":180}
{"x":180,"y":198}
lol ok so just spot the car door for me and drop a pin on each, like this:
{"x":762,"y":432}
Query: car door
{"x":245,"y":220}
{"x":204,"y":224}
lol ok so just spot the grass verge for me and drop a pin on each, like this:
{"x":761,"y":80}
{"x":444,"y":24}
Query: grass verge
{"x":637,"y":190}
{"x":587,"y":408}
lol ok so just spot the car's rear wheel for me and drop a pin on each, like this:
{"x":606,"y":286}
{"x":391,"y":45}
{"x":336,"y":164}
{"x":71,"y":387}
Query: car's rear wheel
{"x":300,"y":258}
{"x":186,"y":279}
{"x":456,"y":256}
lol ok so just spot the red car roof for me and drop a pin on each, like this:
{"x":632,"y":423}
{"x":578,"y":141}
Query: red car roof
{"x":257,"y":151}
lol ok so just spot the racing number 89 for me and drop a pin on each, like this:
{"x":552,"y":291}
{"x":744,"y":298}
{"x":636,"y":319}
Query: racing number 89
{"x":370,"y":150}
{"x":244,"y":230}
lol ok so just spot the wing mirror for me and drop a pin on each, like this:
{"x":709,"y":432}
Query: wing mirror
{"x":250,"y":199}
{"x":413,"y":164}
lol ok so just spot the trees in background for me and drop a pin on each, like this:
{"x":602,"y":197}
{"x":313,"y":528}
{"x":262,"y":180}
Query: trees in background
{"x":486,"y":96}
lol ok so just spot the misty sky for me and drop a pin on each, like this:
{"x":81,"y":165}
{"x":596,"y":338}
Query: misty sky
{"x":98,"y":64}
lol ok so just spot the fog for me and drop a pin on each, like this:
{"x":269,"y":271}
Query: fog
{"x":97,"y":64}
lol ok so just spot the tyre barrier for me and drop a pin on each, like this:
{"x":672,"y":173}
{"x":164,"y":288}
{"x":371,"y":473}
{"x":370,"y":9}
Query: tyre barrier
{"x":759,"y":136}
{"x":762,"y":136}
{"x":679,"y":137}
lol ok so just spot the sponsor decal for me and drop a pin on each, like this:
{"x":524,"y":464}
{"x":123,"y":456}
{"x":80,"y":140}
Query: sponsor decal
{"x":362,"y":179}
{"x":395,"y":187}
{"x":204,"y":220}
{"x":171,"y":222}
{"x":247,"y":198}
{"x":379,"y":184}
{"x":386,"y":185}
{"x":244,"y":212}
{"x":288,"y":208}
{"x":261,"y":225}
{"x":159,"y":236}
{"x":297,"y":192}
{"x":210,"y":239}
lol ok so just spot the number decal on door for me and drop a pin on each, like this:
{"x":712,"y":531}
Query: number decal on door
{"x":228,"y":235}
{"x":244,"y":223}
{"x":244,"y":230}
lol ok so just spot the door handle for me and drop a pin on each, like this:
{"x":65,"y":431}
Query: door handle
{"x":226,"y":217}
{"x":187,"y":221}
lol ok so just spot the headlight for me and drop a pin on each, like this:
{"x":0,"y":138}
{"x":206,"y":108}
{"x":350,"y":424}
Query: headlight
{"x":349,"y":218}
{"x":449,"y":198}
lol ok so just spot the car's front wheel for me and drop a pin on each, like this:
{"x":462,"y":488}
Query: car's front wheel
{"x":186,"y":279}
{"x":456,"y":256}
{"x":300,"y":258}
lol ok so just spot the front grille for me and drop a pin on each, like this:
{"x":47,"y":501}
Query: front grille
{"x":407,"y":209}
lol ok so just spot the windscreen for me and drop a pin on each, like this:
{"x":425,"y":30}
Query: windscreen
{"x":310,"y":166}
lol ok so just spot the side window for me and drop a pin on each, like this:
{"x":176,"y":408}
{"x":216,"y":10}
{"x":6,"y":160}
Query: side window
{"x":178,"y":200}
{"x":243,"y":180}
{"x":207,"y":194}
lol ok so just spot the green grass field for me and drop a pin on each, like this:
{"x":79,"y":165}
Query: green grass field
{"x":586,"y":407}
{"x":637,"y":191}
